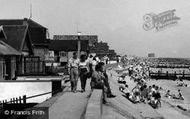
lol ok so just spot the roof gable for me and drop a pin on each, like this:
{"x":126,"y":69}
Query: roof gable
{"x":5,"y":49}
{"x":37,"y":32}
{"x":32,"y":23}
{"x":17,"y":35}
{"x":2,"y":34}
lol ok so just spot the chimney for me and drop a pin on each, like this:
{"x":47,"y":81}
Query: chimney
{"x":25,"y":22}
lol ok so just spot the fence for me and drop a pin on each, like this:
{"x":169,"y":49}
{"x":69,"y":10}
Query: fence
{"x":160,"y":75}
{"x":18,"y":100}
{"x":23,"y":99}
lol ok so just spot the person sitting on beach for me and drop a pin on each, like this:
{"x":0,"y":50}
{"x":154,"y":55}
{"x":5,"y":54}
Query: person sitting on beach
{"x":126,"y":91}
{"x":180,"y":96}
{"x":168,"y":95}
{"x":144,"y":93}
{"x":157,"y":97}
{"x":153,"y":88}
{"x":181,"y":83}
{"x":121,"y":87}
{"x":135,"y":98}
{"x":136,"y":93}
{"x":121,"y":79}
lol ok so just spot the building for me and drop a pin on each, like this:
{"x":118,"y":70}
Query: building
{"x":8,"y":56}
{"x":92,"y":39}
{"x":102,"y":49}
{"x":17,"y":36}
{"x":99,"y":48}
{"x":151,"y":55}
{"x":37,"y":33}
{"x":63,"y":49}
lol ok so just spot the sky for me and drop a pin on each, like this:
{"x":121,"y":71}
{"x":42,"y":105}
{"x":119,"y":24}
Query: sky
{"x":15,"y":89}
{"x":118,"y":22}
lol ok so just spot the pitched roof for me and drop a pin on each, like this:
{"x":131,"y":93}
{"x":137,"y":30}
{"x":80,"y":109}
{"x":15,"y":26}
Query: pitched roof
{"x":38,"y":36}
{"x":37,"y":32}
{"x":16,"y":36}
{"x":5,"y":49}
{"x":67,"y":45}
{"x":30,"y":22}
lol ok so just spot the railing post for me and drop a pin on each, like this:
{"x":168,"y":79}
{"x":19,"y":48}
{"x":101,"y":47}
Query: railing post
{"x":183,"y":73}
{"x":16,"y":100}
{"x":13,"y":100}
{"x":167,"y":73}
{"x":158,"y":73}
{"x":24,"y":99}
{"x":20,"y":100}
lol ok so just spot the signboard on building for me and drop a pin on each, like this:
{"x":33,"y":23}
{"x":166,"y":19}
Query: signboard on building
{"x":63,"y":56}
{"x":49,"y":56}
{"x":151,"y":55}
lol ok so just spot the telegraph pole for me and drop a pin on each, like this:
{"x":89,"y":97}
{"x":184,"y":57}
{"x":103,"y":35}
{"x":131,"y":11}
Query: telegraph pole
{"x":79,"y":44}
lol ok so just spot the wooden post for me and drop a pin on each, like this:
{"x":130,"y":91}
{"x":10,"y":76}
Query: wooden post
{"x":158,"y":73}
{"x":183,"y":73}
{"x":13,"y":100}
{"x":3,"y":101}
{"x":20,"y":100}
{"x":16,"y":100}
{"x":24,"y":99}
{"x":167,"y":73}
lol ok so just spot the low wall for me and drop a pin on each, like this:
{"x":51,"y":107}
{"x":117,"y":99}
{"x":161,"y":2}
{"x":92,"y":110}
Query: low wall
{"x":94,"y":107}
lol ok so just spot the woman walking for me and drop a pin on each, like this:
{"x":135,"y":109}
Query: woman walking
{"x":83,"y":69}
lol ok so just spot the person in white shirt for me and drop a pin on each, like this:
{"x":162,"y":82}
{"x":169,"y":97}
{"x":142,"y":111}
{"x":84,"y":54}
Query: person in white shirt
{"x":84,"y":69}
{"x":73,"y":66}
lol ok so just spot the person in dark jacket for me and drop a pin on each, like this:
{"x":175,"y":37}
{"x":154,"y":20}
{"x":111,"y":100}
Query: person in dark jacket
{"x":100,"y":80}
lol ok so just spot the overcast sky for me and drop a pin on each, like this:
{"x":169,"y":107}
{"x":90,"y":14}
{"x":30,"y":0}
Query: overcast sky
{"x":16,"y":89}
{"x":118,"y":22}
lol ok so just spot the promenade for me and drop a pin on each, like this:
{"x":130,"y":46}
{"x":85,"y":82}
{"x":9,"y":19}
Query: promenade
{"x":69,"y":105}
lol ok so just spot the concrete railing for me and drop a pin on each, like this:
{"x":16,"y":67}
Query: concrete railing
{"x":94,"y":107}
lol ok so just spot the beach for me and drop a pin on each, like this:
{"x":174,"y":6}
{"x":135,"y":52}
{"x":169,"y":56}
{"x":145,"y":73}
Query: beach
{"x":169,"y":108}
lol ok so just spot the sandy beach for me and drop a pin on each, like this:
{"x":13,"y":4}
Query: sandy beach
{"x":169,"y":109}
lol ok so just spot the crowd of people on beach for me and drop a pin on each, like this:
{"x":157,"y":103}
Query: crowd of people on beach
{"x":89,"y":67}
{"x":143,"y":92}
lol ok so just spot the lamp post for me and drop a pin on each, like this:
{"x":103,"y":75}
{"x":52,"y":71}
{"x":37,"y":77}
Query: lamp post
{"x":79,"y":44}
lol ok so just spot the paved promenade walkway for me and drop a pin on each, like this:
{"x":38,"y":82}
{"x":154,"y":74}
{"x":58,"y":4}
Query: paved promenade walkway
{"x":70,"y":105}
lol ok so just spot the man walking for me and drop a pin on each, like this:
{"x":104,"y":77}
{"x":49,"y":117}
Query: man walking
{"x":73,"y":66}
